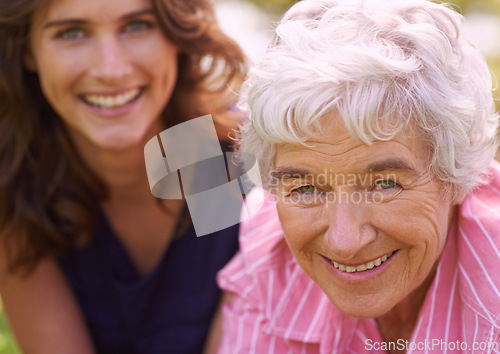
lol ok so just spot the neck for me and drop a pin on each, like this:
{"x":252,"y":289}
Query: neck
{"x":122,"y":171}
{"x":400,"y":321}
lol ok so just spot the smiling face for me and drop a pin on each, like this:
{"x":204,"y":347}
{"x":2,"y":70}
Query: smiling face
{"x":366,"y":223}
{"x":104,"y":66}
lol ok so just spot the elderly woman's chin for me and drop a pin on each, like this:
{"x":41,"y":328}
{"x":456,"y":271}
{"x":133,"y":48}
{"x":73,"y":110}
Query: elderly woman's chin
{"x":371,"y":304}
{"x":364,"y":306}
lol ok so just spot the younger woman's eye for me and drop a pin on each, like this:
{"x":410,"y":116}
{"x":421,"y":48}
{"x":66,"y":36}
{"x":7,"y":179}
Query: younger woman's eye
{"x":386,"y":184}
{"x":139,"y":25}
{"x":71,"y":33}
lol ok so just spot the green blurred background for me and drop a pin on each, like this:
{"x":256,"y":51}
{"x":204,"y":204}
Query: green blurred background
{"x":279,"y":6}
{"x":7,"y":342}
{"x":484,"y":26}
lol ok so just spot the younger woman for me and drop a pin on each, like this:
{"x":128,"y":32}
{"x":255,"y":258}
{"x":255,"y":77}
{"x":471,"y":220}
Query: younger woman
{"x":90,"y":260}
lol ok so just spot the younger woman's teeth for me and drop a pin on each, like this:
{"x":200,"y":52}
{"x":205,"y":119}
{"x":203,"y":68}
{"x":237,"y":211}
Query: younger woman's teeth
{"x":363,"y":267}
{"x":112,"y":101}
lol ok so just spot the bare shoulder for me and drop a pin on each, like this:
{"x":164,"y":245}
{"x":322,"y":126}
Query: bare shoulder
{"x":40,"y":307}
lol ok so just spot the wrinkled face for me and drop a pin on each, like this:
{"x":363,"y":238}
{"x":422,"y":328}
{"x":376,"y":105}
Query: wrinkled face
{"x":366,"y":223}
{"x":104,"y":66}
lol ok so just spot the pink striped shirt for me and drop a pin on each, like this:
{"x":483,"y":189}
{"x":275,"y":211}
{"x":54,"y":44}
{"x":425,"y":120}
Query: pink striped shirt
{"x":277,"y":308}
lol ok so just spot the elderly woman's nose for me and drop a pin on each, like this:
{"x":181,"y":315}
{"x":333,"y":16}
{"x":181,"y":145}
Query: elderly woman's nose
{"x":348,"y":229}
{"x":111,"y":63}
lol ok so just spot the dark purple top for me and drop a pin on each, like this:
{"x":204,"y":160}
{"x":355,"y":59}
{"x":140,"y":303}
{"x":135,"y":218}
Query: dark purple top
{"x":168,"y":311}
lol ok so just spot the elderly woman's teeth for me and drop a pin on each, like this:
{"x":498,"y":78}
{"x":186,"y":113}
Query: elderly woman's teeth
{"x":363,"y":267}
{"x":110,"y":101}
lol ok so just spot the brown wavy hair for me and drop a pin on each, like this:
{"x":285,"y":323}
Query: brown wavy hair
{"x":49,"y":198}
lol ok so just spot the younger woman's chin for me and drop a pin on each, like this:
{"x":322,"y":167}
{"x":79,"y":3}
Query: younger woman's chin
{"x":121,"y":145}
{"x":122,"y":141}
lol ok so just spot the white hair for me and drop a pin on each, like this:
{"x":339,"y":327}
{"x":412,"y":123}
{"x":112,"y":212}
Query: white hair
{"x":382,"y":66}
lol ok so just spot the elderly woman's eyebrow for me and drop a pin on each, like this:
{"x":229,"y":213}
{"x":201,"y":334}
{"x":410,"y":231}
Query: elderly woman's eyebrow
{"x":391,"y":164}
{"x":289,"y":172}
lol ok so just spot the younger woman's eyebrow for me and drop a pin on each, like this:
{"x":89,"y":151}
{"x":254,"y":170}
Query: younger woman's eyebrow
{"x":66,"y":21}
{"x":147,"y":11}
{"x":81,"y":21}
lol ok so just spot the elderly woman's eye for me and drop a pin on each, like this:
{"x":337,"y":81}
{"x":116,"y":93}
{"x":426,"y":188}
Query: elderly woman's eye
{"x":306,"y":195}
{"x":386,"y":184}
{"x":305,"y":189}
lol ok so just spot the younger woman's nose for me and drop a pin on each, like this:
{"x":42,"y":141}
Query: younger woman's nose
{"x":111,"y":62}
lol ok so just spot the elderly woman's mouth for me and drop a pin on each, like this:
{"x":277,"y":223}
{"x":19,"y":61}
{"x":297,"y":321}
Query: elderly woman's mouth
{"x":363,"y":267}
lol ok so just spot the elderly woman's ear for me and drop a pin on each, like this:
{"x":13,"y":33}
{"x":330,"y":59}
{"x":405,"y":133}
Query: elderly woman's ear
{"x":459,"y":198}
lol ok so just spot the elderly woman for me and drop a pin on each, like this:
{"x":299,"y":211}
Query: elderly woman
{"x":374,"y":130}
